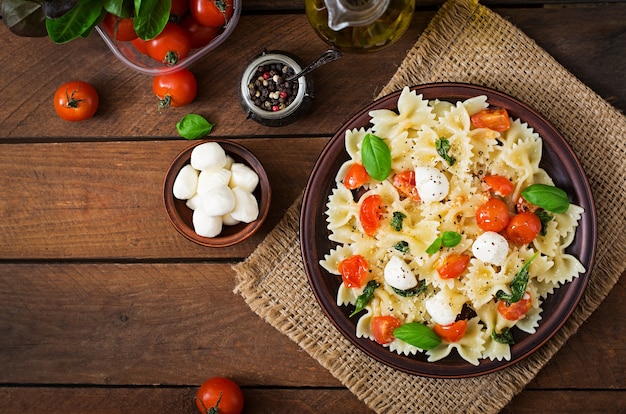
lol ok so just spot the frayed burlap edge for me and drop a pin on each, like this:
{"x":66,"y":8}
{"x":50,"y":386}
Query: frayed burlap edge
{"x":276,"y":267}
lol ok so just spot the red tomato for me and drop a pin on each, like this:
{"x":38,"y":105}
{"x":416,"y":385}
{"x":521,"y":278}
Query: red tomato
{"x":199,"y":35}
{"x":523,"y":228}
{"x":356,"y":176}
{"x":496,"y":119}
{"x":213,"y":13}
{"x":354,"y":271}
{"x":171,"y":45}
{"x":221,"y":394}
{"x":179,"y":9}
{"x":76,"y":101}
{"x":493,"y":215}
{"x":453,"y":266}
{"x":371,"y":214}
{"x":141,"y":45}
{"x":452,"y":332}
{"x":405,"y":183}
{"x":383,"y":327}
{"x":175,"y":89}
{"x":515,"y":310}
{"x":499,"y":185}
{"x":119,"y":28}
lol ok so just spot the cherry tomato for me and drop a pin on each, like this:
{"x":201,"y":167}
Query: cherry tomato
{"x":453,"y":266}
{"x":405,"y":183}
{"x":496,"y":119}
{"x":178,"y":10}
{"x":371,"y":214}
{"x":76,"y":101}
{"x":171,"y":45}
{"x":221,"y":394}
{"x":119,"y":28}
{"x":356,"y":176}
{"x":213,"y":13}
{"x":383,"y":327}
{"x":141,"y":45}
{"x":493,"y":215}
{"x":175,"y":89}
{"x":499,"y":185}
{"x":523,"y":228}
{"x":515,"y":310}
{"x":199,"y":35}
{"x":452,"y":332}
{"x":354,"y":271}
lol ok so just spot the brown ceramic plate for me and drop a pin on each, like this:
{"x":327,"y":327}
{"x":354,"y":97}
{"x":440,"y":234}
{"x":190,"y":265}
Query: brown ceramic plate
{"x":181,"y":216}
{"x":558,"y":160}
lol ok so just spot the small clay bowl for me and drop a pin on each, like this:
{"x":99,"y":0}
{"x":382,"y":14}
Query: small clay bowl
{"x":181,"y":216}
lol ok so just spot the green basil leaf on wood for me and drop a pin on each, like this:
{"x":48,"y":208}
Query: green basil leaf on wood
{"x":194,"y":126}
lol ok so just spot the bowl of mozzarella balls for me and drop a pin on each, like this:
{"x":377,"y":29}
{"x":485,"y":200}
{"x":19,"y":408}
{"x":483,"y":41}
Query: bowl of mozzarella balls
{"x":216,"y":193}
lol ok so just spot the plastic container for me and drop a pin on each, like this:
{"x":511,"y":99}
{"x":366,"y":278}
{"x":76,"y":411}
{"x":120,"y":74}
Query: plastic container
{"x":136,"y":60}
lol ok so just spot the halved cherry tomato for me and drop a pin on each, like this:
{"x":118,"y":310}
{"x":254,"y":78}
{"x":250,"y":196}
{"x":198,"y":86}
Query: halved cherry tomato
{"x":515,"y":310}
{"x":171,"y":45}
{"x":175,"y":89}
{"x":499,"y":185}
{"x":453,"y":266}
{"x":405,"y":183}
{"x":371,"y":214}
{"x":356,"y":176}
{"x":76,"y":101}
{"x":523,"y":228}
{"x":220,"y":395}
{"x":452,"y":332}
{"x":493,"y":215}
{"x":199,"y":35}
{"x":354,"y":271}
{"x":383,"y":327}
{"x":496,"y":119}
{"x":119,"y":28}
{"x":213,"y":13}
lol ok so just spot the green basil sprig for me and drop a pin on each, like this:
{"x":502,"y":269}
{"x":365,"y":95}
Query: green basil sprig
{"x":365,"y":297}
{"x":447,"y":239}
{"x":504,"y":337}
{"x":418,"y":335}
{"x":548,"y":197}
{"x":376,"y":157}
{"x":402,"y":246}
{"x":396,"y":220}
{"x":518,"y":284}
{"x":442,"y":145}
{"x":194,"y":126}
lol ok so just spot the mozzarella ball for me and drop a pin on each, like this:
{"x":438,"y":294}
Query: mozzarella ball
{"x":219,"y":201}
{"x":205,"y":225}
{"x":228,"y":219}
{"x":246,"y":207}
{"x":194,"y":202}
{"x":229,"y":162}
{"x":441,"y":309}
{"x":398,"y":274}
{"x":491,"y":247}
{"x":208,"y":156}
{"x":243,"y":177}
{"x":431,"y":184}
{"x":185,"y":183}
{"x":209,"y":179}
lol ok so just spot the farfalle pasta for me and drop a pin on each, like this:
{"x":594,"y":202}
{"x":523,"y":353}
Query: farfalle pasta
{"x":427,"y":261}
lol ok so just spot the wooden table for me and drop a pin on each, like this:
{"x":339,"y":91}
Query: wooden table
{"x":105,"y":308}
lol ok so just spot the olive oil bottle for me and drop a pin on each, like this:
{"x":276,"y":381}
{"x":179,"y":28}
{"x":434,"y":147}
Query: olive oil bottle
{"x":360,"y":26}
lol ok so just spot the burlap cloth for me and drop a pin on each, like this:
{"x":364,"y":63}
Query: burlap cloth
{"x":465,"y":42}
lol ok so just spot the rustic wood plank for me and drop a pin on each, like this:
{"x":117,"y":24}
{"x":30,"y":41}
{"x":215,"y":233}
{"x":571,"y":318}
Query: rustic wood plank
{"x":104,"y":199}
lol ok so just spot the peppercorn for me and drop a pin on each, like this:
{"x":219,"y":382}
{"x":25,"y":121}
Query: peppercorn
{"x":269,"y":90}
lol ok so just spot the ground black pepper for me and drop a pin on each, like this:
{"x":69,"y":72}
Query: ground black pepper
{"x":268,"y":88}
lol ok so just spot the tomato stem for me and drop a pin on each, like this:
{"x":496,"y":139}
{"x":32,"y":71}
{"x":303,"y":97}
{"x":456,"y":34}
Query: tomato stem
{"x":165,"y":102}
{"x":71,"y":101}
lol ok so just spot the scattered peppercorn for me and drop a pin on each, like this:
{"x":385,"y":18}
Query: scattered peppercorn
{"x":268,"y":88}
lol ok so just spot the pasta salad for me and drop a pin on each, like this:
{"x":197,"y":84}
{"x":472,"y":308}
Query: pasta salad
{"x":447,"y":232}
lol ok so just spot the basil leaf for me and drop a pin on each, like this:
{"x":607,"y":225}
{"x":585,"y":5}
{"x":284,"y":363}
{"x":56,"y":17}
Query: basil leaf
{"x":396,"y":220}
{"x":193,"y":126}
{"x":151,"y":16}
{"x":365,"y":297}
{"x":548,"y":197}
{"x":418,"y":335}
{"x":120,"y":8}
{"x":518,"y":284}
{"x":53,"y":9}
{"x":504,"y":337}
{"x":544,"y":218}
{"x":442,"y":145}
{"x":422,"y":287}
{"x":435,"y":246}
{"x":450,"y":238}
{"x":24,"y":17}
{"x":402,"y":246}
{"x":376,"y":157}
{"x":76,"y":22}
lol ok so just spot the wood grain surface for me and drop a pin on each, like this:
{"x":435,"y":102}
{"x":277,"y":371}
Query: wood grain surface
{"x":105,"y":308}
